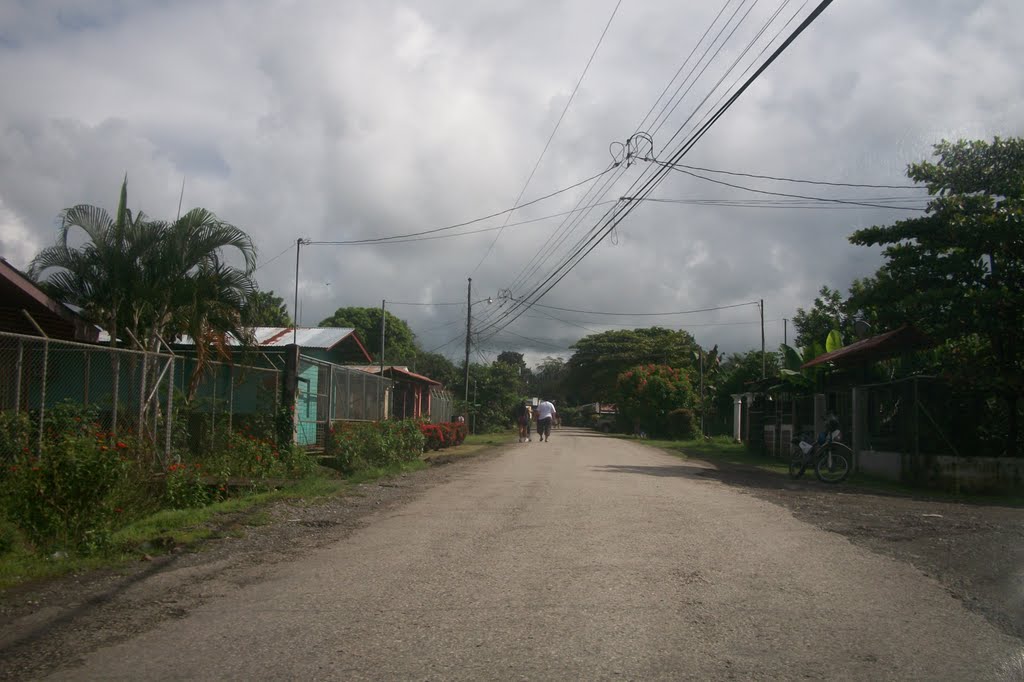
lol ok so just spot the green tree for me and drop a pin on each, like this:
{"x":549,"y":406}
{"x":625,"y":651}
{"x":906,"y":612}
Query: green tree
{"x":830,"y":311}
{"x":738,"y":371}
{"x":548,"y":381}
{"x":399,"y":342}
{"x":659,"y":399}
{"x":264,"y":309}
{"x":600,"y":358}
{"x":438,"y":368}
{"x":957,"y":273}
{"x":498,"y":388}
{"x":510,"y":357}
{"x":145,"y":280}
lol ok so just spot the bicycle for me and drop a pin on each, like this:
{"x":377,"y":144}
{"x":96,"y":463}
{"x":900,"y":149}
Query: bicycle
{"x":831,"y":459}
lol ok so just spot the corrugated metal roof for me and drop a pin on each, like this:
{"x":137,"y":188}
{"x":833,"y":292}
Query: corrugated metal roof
{"x":872,"y":348}
{"x":397,"y":369}
{"x":305,"y":337}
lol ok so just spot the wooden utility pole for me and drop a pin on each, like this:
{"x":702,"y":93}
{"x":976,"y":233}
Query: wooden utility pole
{"x":762,"y":339}
{"x":785,"y":329}
{"x":469,"y":311}
{"x":383,"y":331}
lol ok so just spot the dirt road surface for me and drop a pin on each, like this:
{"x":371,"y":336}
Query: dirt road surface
{"x":582,"y":558}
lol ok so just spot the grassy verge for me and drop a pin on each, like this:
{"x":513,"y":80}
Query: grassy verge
{"x":722,"y":450}
{"x":158,"y":533}
{"x":475,"y":444}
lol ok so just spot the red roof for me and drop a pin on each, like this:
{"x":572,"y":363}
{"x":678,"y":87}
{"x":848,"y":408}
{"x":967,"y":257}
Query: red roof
{"x":401,"y":371}
{"x":874,"y":348}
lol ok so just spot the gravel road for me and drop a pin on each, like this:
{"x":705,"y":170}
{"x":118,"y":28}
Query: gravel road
{"x":582,"y":558}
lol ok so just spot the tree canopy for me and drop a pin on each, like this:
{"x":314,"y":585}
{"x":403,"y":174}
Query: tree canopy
{"x":957,"y":273}
{"x":264,"y":309}
{"x":600,"y":358}
{"x":399,"y":342}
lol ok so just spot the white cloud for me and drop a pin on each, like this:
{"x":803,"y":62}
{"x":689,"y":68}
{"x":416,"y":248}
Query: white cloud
{"x":350,"y":120}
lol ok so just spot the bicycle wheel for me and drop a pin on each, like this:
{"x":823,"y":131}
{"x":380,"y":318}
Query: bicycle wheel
{"x":797,"y":462}
{"x":833,"y":466}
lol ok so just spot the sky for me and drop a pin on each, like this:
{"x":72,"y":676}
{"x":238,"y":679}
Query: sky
{"x":340,"y":121}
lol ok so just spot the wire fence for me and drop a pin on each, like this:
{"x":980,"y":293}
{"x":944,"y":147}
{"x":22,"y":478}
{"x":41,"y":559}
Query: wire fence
{"x":168,"y":406}
{"x":329,"y":393}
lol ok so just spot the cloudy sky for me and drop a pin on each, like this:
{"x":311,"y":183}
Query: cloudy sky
{"x":337,"y":121}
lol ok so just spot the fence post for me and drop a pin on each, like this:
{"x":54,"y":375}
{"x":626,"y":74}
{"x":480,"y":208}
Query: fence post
{"x":290,"y":386}
{"x":169,"y":423}
{"x":42,"y":393}
{"x":141,"y":424}
{"x":88,"y":363}
{"x":858,"y":423}
{"x":115,"y":394}
{"x":17,"y":376}
{"x":231,"y":397}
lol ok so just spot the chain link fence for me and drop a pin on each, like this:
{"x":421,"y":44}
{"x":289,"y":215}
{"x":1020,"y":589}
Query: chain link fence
{"x":166,"y":405}
{"x":329,"y":393}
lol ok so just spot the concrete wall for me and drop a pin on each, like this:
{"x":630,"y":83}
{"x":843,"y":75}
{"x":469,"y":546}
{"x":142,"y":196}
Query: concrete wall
{"x":946,"y":472}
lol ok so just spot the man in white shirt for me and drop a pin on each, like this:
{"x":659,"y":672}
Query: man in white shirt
{"x":545,"y":414}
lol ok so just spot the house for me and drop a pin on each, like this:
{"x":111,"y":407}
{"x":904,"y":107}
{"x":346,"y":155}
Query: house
{"x":329,"y":388}
{"x":22,"y":302}
{"x":412,"y":393}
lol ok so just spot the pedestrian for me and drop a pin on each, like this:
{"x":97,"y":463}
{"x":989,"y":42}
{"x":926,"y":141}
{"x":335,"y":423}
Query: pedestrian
{"x":529,"y":424}
{"x":545,"y":415}
{"x":521,"y":415}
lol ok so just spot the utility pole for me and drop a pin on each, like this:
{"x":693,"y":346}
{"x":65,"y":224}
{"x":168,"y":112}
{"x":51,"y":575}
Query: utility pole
{"x":701,"y":351}
{"x":383,"y":328}
{"x":762,"y":339}
{"x":785,"y":329}
{"x":295,"y":311}
{"x":469,"y":310}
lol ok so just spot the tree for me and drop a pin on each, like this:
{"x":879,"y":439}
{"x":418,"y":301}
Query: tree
{"x":957,"y":273}
{"x":264,"y":309}
{"x":600,"y":358}
{"x":659,"y":399}
{"x":548,"y":380}
{"x":438,"y":368}
{"x":830,"y":311}
{"x":399,"y":342}
{"x":513,"y":358}
{"x":737,"y":372}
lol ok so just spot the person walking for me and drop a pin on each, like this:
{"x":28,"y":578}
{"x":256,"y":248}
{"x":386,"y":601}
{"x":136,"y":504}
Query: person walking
{"x":545,"y":415}
{"x":522,"y":417}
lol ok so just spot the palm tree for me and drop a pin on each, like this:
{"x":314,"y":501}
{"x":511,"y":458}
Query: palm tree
{"x":152,"y":280}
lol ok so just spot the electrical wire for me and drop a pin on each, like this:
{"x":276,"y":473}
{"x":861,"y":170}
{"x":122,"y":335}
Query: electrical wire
{"x":612,"y":218}
{"x":807,"y":182}
{"x":268,"y":262}
{"x":458,"y":225}
{"x":621,"y":314}
{"x":676,"y":168}
{"x":553,"y":131}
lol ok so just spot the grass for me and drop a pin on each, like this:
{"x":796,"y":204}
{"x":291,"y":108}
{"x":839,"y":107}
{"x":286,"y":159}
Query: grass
{"x":159,"y":532}
{"x":476,"y":443}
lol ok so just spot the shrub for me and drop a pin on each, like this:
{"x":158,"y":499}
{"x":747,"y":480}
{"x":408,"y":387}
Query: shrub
{"x":683,"y":424}
{"x":184,"y":486}
{"x":352,"y":446}
{"x":434,"y":436}
{"x":15,"y":436}
{"x":65,"y":496}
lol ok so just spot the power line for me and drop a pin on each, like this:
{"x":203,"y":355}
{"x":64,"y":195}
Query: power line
{"x":462,"y":224}
{"x":621,"y":314}
{"x":554,"y":130}
{"x":268,"y":262}
{"x":808,"y":182}
{"x":612,"y":219}
{"x":676,"y":168}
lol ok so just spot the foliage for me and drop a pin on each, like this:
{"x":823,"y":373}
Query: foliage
{"x":264,"y":309}
{"x":570,"y":416}
{"x":64,"y":496}
{"x":399,"y":344}
{"x":957,"y":273}
{"x":738,"y":370}
{"x":830,"y":312}
{"x":512,"y":358}
{"x":682,"y":424}
{"x":646,"y":394}
{"x":499,"y":388}
{"x":443,"y":435}
{"x":184,"y":487}
{"x":548,"y":380}
{"x":438,"y":368}
{"x":144,"y":279}
{"x":351,"y":446}
{"x":15,"y":435}
{"x":600,"y":358}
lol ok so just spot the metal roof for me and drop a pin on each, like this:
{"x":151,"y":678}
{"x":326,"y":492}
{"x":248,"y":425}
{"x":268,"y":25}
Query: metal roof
{"x":305,"y":337}
{"x":399,"y":370}
{"x":874,"y":348}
